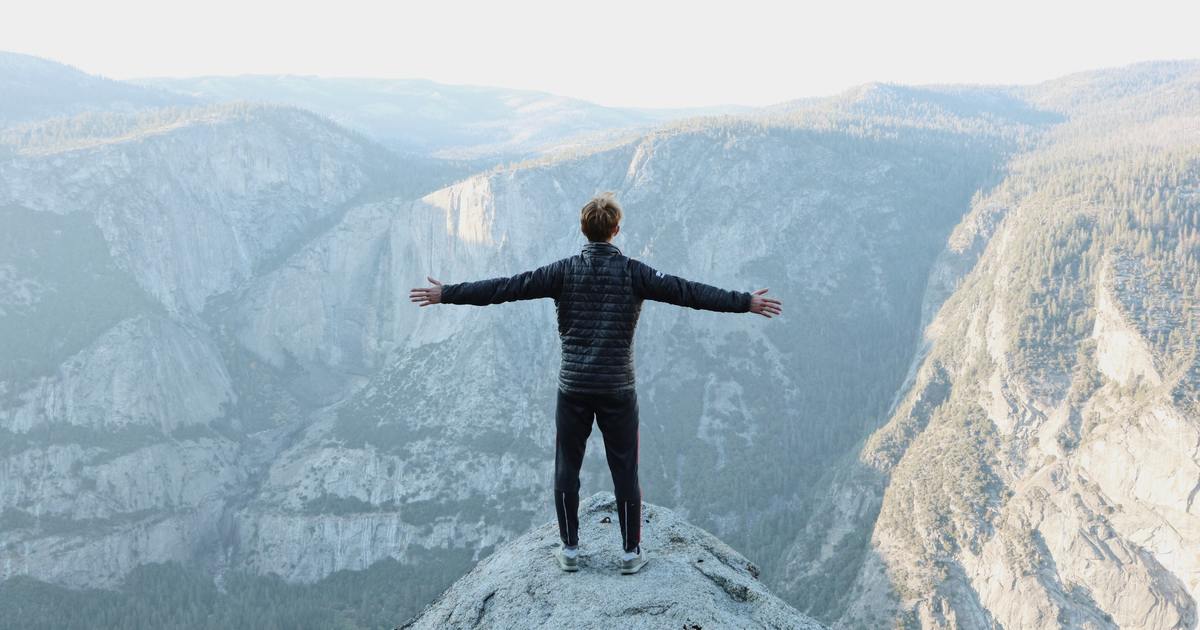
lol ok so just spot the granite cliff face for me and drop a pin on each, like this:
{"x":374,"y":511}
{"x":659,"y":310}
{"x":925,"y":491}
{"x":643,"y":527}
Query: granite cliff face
{"x":221,"y":190}
{"x":692,"y":580}
{"x":119,"y":448}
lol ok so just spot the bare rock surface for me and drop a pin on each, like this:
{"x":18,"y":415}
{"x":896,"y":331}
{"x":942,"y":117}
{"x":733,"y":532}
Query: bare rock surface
{"x":693,"y":580}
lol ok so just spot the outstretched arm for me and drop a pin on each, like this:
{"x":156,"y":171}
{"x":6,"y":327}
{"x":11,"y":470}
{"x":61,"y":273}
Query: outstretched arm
{"x":545,"y":281}
{"x":656,"y":285}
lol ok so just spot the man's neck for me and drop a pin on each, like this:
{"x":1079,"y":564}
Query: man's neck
{"x":601,"y":247}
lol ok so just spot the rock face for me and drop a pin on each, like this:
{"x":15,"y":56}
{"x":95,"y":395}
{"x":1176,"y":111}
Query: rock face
{"x":693,"y":580}
{"x":267,"y":175}
{"x":118,"y":447}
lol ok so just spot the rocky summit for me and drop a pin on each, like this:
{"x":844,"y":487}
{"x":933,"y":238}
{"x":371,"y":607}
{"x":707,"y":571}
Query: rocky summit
{"x":693,"y":580}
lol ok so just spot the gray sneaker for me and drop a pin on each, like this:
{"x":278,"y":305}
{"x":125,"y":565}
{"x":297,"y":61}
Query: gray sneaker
{"x":634,"y":564}
{"x":565,"y":562}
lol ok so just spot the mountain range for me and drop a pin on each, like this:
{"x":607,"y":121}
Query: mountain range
{"x":979,"y":410}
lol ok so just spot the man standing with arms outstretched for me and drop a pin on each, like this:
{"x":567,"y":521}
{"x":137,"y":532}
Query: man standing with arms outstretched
{"x":598,"y":295}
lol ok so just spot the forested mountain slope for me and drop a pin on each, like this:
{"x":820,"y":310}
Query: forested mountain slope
{"x":1041,"y":467}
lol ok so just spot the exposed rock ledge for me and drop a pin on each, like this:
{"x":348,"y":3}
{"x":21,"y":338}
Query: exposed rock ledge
{"x":693,"y":581}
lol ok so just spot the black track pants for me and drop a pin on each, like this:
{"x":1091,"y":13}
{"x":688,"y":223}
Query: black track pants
{"x":617,"y":416}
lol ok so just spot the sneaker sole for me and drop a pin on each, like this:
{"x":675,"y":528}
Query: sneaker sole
{"x":634,"y":569}
{"x":562,"y":564}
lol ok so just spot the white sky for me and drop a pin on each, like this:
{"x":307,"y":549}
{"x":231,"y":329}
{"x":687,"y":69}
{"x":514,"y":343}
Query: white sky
{"x":614,"y":52}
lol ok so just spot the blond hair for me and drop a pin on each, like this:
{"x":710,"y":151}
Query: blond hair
{"x":600,"y":216}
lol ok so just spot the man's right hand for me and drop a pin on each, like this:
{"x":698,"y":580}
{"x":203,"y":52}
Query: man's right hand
{"x":424,"y":296}
{"x":765,"y":306}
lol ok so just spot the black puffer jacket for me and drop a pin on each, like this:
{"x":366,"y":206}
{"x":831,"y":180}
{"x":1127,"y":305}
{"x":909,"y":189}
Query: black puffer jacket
{"x":598,"y":295}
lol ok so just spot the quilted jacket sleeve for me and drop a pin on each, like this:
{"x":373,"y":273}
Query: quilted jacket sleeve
{"x":543,"y":282}
{"x":655,"y":285}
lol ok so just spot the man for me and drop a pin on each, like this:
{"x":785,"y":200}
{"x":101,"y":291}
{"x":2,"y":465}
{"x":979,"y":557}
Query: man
{"x":598,"y":296}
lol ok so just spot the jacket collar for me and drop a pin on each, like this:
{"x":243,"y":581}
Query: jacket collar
{"x":600,"y":248}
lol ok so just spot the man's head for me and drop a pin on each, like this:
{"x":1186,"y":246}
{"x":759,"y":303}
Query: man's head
{"x":600,"y":218}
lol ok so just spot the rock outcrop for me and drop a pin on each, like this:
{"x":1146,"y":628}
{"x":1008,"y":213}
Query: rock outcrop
{"x":693,"y":580}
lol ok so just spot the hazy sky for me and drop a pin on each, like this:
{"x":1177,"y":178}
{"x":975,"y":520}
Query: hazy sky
{"x":615,"y":52}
